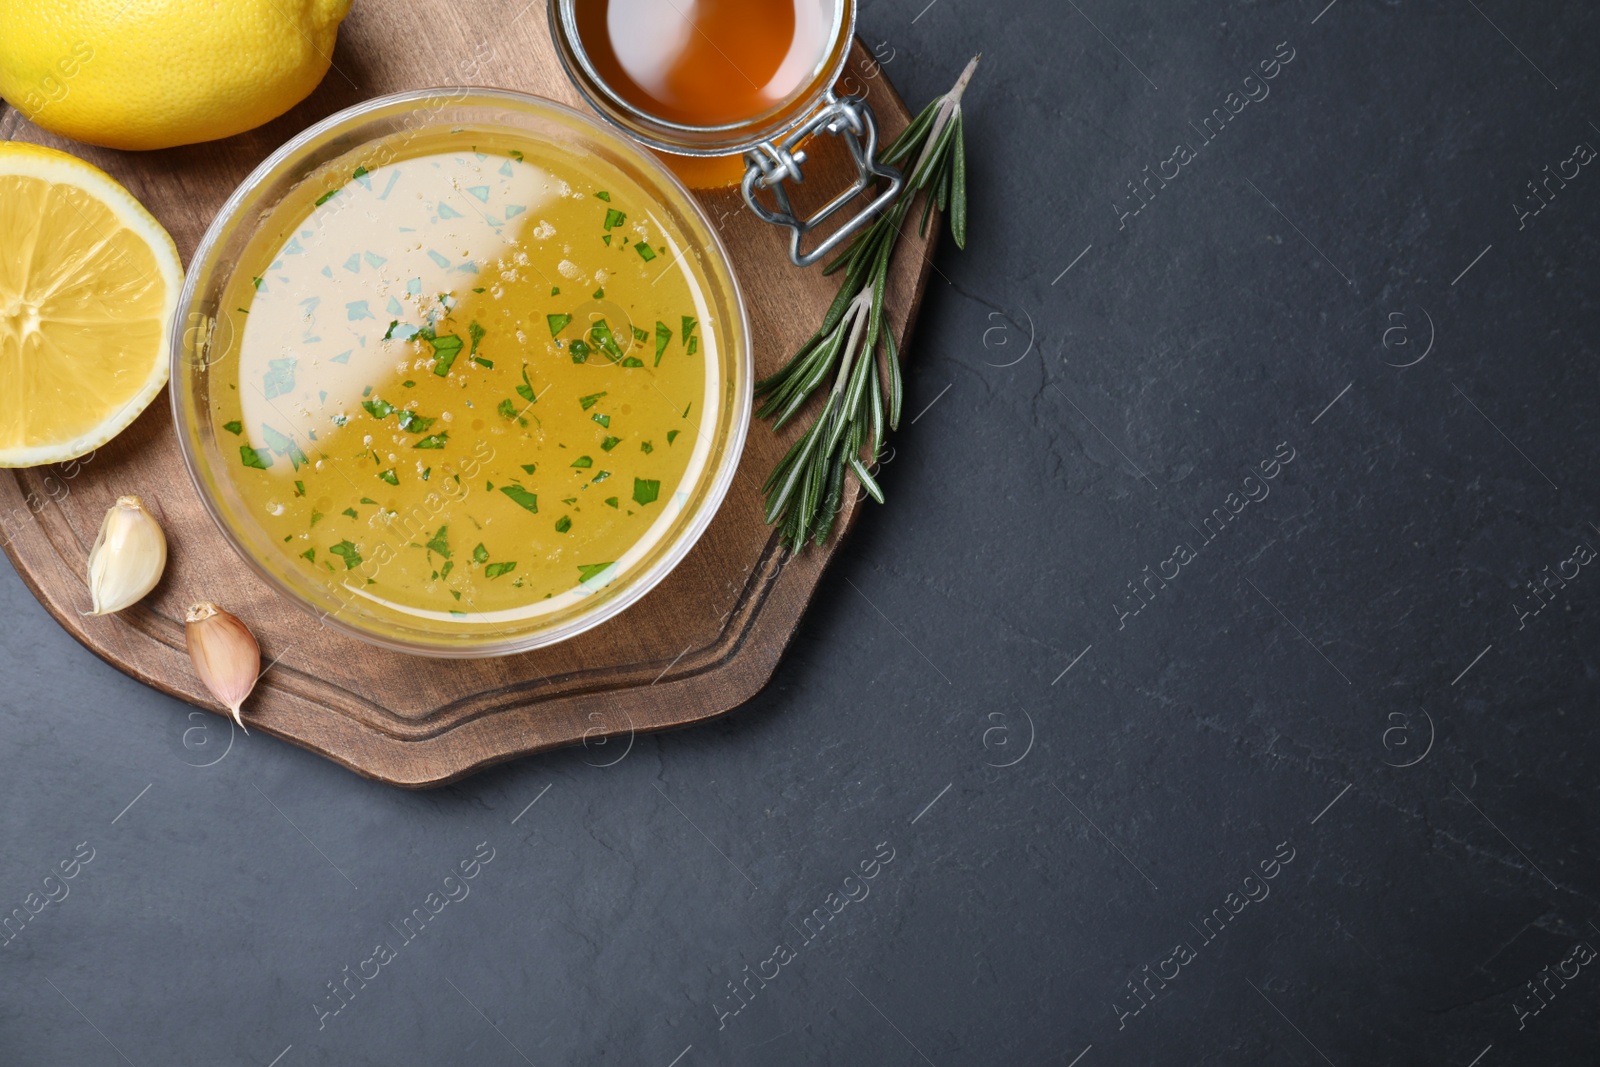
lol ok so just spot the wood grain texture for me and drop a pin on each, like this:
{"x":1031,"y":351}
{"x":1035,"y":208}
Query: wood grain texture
{"x":704,"y":641}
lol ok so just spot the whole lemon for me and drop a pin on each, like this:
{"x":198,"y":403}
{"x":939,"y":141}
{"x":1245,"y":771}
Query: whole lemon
{"x":156,"y":73}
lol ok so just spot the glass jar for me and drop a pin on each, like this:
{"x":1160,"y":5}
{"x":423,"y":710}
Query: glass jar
{"x":752,"y":140}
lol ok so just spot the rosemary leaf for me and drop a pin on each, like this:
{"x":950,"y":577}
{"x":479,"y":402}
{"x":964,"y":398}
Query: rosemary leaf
{"x":876,"y":398}
{"x":879,"y":284}
{"x":912,"y":135}
{"x":958,"y":189}
{"x":865,"y":478}
{"x":896,"y":386}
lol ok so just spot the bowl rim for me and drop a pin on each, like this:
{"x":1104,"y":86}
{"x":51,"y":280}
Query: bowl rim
{"x":722,"y":475}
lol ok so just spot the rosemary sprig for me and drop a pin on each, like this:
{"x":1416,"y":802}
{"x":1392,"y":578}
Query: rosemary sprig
{"x":854,"y":345}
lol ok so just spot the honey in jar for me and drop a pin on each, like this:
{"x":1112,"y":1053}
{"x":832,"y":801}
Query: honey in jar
{"x":710,"y":67}
{"x":706,"y":62}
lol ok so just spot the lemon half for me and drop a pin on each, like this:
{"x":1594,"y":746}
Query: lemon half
{"x":89,"y":283}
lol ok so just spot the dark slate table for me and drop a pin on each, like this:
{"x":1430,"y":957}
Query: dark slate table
{"x":1216,"y":688}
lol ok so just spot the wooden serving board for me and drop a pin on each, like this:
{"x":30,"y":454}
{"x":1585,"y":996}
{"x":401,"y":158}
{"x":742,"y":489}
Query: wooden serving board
{"x":704,"y":641}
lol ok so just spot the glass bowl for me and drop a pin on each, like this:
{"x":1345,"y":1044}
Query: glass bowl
{"x":208,"y":360}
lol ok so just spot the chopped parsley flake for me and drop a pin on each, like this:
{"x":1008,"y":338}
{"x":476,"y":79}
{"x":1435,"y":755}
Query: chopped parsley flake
{"x":445,"y":351}
{"x":583,"y":461}
{"x":283,"y":445}
{"x":235,"y":427}
{"x":411,"y":422}
{"x":346,"y":551}
{"x":600,"y":334}
{"x":521,"y":497}
{"x":563,"y":524}
{"x":279,"y":378}
{"x":441,"y":543}
{"x":495,"y":570}
{"x":645,"y":490}
{"x":390,"y":476}
{"x":435,"y":441}
{"x":663,"y":336}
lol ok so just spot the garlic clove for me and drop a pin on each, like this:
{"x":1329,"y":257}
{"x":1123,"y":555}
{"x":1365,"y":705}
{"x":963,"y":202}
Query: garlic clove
{"x":225,"y":654}
{"x":127,"y":558}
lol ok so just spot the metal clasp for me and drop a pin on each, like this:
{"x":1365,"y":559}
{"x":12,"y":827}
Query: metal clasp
{"x":770,"y":165}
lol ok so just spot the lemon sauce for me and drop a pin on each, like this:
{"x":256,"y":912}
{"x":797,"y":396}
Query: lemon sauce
{"x":468,"y":383}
